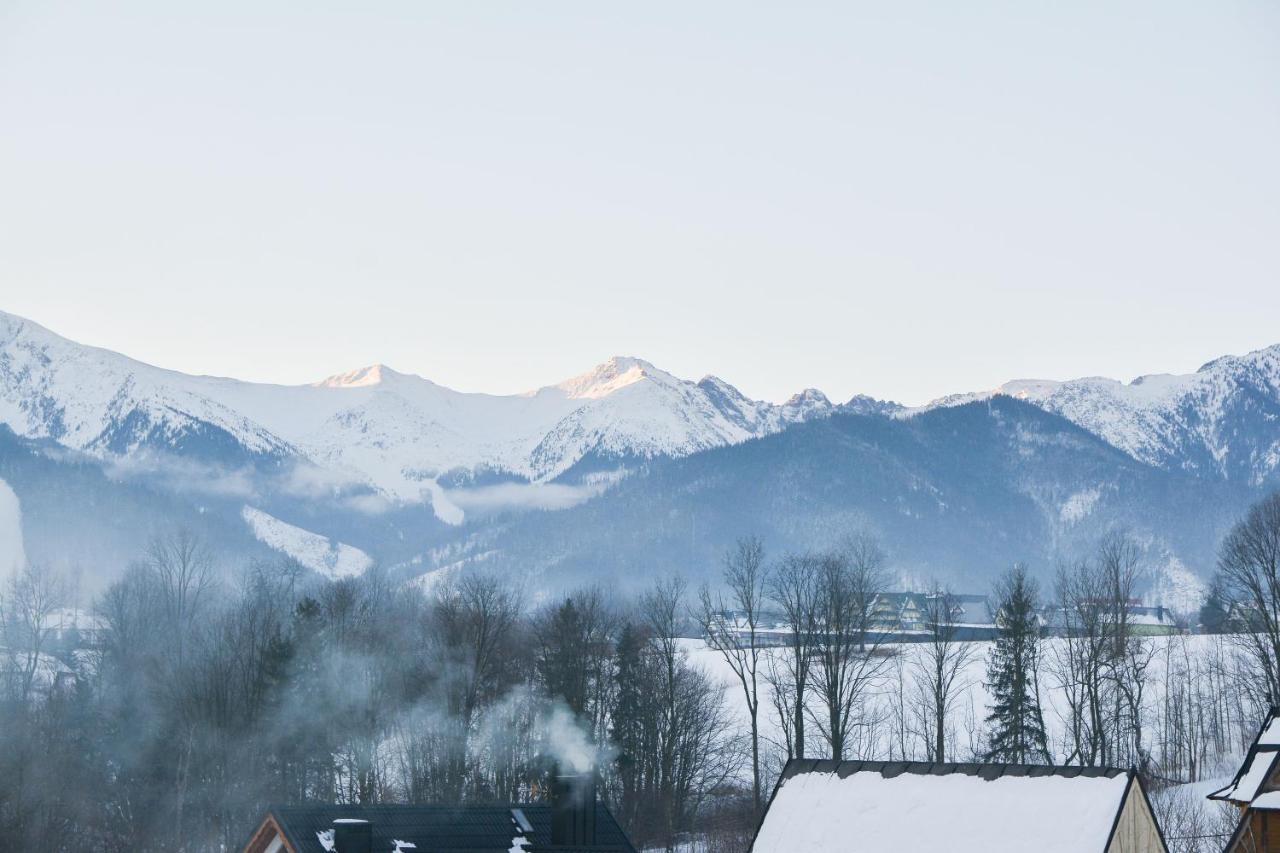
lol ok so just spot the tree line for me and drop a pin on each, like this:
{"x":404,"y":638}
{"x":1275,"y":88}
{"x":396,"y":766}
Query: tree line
{"x":202,"y":699}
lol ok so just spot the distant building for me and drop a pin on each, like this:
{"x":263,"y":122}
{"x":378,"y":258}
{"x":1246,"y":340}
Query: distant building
{"x":895,"y":617}
{"x":906,"y":616}
{"x":573,"y":822}
{"x":1142,"y":620}
{"x":73,"y":628}
{"x":1255,"y":790}
{"x":917,"y":807}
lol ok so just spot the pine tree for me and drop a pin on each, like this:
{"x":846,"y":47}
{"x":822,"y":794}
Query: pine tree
{"x":1017,"y":722}
{"x":628,"y":724}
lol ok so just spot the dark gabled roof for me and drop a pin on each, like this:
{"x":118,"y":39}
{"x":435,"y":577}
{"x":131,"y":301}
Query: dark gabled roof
{"x":443,"y":829}
{"x":890,"y":769}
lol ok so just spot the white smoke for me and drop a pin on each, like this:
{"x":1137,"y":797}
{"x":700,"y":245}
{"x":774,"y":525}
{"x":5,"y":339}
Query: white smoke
{"x":565,"y":741}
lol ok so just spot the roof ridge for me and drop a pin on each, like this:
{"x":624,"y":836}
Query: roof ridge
{"x":986,"y":771}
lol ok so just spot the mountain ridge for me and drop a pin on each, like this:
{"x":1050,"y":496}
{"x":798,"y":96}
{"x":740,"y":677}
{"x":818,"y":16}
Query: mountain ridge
{"x":376,"y":466}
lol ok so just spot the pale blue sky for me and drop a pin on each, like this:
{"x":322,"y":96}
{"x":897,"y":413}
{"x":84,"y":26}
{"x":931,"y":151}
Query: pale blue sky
{"x":896,"y":198}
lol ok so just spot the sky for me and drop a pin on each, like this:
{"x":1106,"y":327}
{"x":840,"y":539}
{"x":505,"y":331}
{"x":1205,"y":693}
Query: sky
{"x":901,"y":199}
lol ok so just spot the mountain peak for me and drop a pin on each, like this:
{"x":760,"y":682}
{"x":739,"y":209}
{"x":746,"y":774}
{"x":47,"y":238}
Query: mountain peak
{"x":364,"y":377}
{"x":614,"y":374}
{"x":808,"y":397}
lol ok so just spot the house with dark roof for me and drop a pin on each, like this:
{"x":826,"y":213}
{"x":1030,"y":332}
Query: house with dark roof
{"x":573,"y":822}
{"x":923,"y":807}
{"x":904,"y":617}
{"x":1140,"y":620}
{"x":1255,"y":790}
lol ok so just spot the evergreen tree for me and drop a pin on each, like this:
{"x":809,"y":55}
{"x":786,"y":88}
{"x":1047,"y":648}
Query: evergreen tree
{"x":1213,"y":613}
{"x":628,"y":721}
{"x":1017,"y":722}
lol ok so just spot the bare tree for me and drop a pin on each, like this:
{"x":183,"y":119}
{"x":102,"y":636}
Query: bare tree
{"x":26,"y":615}
{"x":689,"y":754}
{"x":846,"y":652}
{"x":476,"y":618}
{"x":793,"y":587}
{"x":1130,"y":654}
{"x":1249,"y":567}
{"x":940,"y":664}
{"x":183,"y":568}
{"x":732,"y":628}
{"x":1079,"y":660}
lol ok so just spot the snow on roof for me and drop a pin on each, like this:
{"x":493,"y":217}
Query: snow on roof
{"x":1253,"y":774}
{"x":1257,"y":765}
{"x":955,"y":811}
{"x":1269,"y":801}
{"x":1270,"y":734}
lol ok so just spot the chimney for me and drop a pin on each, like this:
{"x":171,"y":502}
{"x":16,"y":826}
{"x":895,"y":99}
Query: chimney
{"x":352,"y":835}
{"x":573,"y":810}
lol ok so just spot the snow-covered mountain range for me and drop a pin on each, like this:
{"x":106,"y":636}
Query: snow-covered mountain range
{"x":399,"y":434}
{"x":1221,"y":421}
{"x":377,"y":466}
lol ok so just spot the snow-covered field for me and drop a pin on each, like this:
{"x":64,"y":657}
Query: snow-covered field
{"x":896,"y":738}
{"x":970,"y":707}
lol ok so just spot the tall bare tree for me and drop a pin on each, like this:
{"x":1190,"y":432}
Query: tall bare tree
{"x":26,"y":623}
{"x":1249,"y":567}
{"x":1119,"y":562}
{"x":183,"y":567}
{"x":732,"y":627}
{"x":1080,"y":660}
{"x":846,"y":650}
{"x":793,"y":588}
{"x":940,"y":664}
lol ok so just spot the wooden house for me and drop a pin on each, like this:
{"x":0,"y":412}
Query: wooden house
{"x":1255,"y":790}
{"x":920,"y":807}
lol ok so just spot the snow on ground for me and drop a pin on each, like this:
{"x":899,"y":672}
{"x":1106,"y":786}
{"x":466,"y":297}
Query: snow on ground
{"x":1079,"y":505}
{"x":1178,"y":588}
{"x":12,"y":554}
{"x":822,"y":812}
{"x":969,"y":709}
{"x":318,"y":553}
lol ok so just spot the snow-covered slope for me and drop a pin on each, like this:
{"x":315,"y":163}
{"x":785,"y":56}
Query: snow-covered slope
{"x":395,"y":432}
{"x":99,"y":401}
{"x":1223,"y":420}
{"x":12,"y":554}
{"x":318,"y":553}
{"x":411,"y":440}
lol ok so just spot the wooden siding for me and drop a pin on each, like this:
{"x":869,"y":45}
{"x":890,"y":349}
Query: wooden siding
{"x":268,"y":839}
{"x":1259,"y":833}
{"x":1136,"y":830}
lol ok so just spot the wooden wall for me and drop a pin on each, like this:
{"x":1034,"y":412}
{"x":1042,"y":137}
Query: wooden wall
{"x":1136,"y":830}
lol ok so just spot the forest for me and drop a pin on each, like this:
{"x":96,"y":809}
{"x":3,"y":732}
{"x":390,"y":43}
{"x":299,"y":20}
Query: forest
{"x":199,"y":693}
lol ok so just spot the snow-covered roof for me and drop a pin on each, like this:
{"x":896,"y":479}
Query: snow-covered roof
{"x":1270,"y":734}
{"x":1254,"y":772}
{"x":822,"y":806}
{"x":1258,"y":766}
{"x":1269,"y":801}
